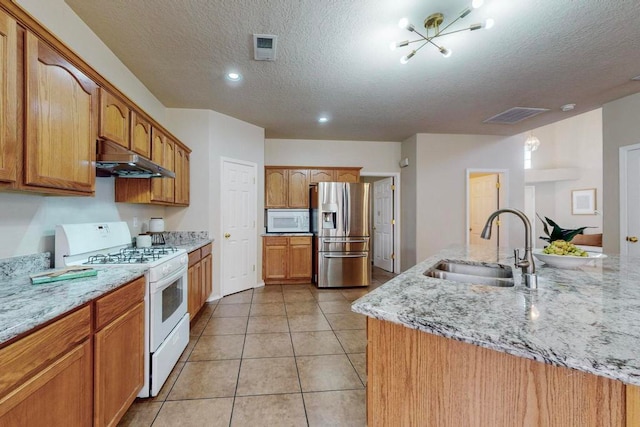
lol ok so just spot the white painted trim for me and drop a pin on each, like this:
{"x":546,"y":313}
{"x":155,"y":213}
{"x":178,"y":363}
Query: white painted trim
{"x":624,"y":152}
{"x":396,"y":213}
{"x":253,"y":208}
{"x":260,"y":284}
{"x":504,"y":236}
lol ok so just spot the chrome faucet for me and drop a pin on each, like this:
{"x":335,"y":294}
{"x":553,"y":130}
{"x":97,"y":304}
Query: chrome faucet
{"x":525,"y":263}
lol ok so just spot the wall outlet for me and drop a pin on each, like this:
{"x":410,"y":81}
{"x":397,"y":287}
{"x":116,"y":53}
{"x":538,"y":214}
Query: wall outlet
{"x":135,"y":222}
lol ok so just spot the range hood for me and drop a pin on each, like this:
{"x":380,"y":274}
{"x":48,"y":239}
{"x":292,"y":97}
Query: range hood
{"x":115,"y":160}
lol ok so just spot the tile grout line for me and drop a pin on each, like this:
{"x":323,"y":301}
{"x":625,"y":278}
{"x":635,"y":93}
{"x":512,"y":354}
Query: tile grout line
{"x":235,"y":391}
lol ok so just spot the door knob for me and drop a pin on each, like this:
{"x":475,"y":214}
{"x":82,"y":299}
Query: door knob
{"x":227,"y":235}
{"x":632,"y":239}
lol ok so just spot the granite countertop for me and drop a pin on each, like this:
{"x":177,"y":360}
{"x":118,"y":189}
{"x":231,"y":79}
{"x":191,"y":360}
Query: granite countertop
{"x":24,"y":306}
{"x":586,"y":319}
{"x":191,"y":246}
{"x":188,"y":240}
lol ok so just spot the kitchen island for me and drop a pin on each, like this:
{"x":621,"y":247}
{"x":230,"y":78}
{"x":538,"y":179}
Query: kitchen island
{"x":447,"y":353}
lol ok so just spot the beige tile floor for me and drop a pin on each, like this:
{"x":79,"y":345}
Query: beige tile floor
{"x":290,"y":355}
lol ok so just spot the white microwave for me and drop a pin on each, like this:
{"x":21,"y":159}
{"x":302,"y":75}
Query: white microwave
{"x":287,"y":220}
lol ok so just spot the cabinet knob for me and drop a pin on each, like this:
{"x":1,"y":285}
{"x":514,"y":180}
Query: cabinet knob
{"x":227,"y":235}
{"x":632,"y":239}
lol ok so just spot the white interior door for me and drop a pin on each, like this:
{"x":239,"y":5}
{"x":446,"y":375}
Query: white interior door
{"x":238,"y":226}
{"x":632,"y":195}
{"x":383,"y":224}
{"x":483,"y":201}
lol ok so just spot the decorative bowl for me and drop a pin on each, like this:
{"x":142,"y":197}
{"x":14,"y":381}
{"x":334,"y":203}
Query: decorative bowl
{"x":566,"y":261}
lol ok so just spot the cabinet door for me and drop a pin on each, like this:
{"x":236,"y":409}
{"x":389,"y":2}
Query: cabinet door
{"x":321,"y":175}
{"x":194,"y":291}
{"x":58,"y":395}
{"x":178,"y":182}
{"x":206,"y":276}
{"x":348,"y":175}
{"x":168,"y":184}
{"x":276,"y":188}
{"x":298,"y":194}
{"x":60,"y":121}
{"x":118,"y":366}
{"x":8,"y":97}
{"x":140,"y":135}
{"x":114,"y":119}
{"x":158,"y":144}
{"x":274,"y":262}
{"x":300,"y":258}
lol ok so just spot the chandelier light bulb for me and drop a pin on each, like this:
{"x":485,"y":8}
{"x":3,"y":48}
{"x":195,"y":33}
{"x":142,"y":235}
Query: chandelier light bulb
{"x":393,"y":46}
{"x":477,"y":3}
{"x":403,"y":23}
{"x":532,"y":143}
{"x":403,"y":43}
{"x":406,"y":58}
{"x":445,"y":52}
{"x":489,"y":23}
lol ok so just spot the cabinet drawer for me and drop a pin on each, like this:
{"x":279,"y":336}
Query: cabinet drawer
{"x":116,"y":303}
{"x":275,"y":241}
{"x":300,"y":240}
{"x":206,"y":250}
{"x":194,"y":257}
{"x":26,"y":357}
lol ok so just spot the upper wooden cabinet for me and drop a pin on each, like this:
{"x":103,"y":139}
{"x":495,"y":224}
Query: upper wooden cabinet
{"x":298,"y":188}
{"x":61,"y":121}
{"x":140,"y":138}
{"x":114,"y":119}
{"x":182,"y":171}
{"x":288,"y":187}
{"x":8,"y":97}
{"x":162,"y":153}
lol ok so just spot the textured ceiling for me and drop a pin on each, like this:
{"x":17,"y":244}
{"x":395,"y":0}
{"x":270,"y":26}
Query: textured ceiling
{"x":333,"y":58}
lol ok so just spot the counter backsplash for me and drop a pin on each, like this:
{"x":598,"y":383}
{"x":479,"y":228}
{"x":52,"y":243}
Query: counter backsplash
{"x":184,"y":237}
{"x":24,"y":265}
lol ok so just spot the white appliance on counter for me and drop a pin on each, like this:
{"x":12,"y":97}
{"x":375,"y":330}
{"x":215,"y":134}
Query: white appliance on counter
{"x":166,"y":318}
{"x":287,"y":220}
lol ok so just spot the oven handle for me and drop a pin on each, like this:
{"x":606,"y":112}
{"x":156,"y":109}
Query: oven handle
{"x":345,"y":256}
{"x":165,"y":282}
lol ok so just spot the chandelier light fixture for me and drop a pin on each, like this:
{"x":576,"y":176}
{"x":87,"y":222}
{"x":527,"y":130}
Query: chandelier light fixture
{"x":432,"y":31}
{"x":532,"y":143}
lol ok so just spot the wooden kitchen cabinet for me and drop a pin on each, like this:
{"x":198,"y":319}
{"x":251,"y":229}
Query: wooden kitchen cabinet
{"x":288,"y":187}
{"x":114,"y":119}
{"x":140,"y":136}
{"x":8,"y":98}
{"x":286,"y":259}
{"x":298,"y":189}
{"x":182,"y":180}
{"x":46,"y":376}
{"x":61,"y":121}
{"x":119,"y":352}
{"x":200,"y":278}
{"x":158,"y":155}
{"x":276,"y":188}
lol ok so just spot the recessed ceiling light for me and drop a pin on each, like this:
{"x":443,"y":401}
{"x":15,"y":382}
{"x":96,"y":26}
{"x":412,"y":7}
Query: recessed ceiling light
{"x":636,"y":78}
{"x":568,"y":107}
{"x":234,"y":77}
{"x":323,"y":119}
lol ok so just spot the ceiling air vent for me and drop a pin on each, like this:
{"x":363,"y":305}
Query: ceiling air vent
{"x":264,"y":47}
{"x":515,"y":115}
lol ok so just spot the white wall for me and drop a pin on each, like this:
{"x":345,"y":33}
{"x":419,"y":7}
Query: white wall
{"x":211,"y":136}
{"x":408,"y":211}
{"x":572,"y":143}
{"x":373,"y":156}
{"x":27,"y":221}
{"x":621,"y":127}
{"x":441,"y":162}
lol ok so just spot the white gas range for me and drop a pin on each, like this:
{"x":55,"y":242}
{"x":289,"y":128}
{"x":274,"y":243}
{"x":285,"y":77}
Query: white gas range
{"x":166,"y":318}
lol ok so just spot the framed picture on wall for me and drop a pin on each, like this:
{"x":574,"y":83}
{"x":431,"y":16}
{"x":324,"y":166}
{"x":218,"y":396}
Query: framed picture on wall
{"x":583,"y":202}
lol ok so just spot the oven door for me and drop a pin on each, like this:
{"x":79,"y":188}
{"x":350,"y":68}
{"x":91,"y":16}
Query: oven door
{"x":168,"y":304}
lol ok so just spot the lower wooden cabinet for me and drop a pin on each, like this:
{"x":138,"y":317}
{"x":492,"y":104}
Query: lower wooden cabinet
{"x":286,"y":259}
{"x":200,"y":279}
{"x":65,"y":375}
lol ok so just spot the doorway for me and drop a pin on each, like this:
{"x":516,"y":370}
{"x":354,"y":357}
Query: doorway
{"x":238,"y":252}
{"x":385,"y":216}
{"x":486,"y":193}
{"x":630,"y":200}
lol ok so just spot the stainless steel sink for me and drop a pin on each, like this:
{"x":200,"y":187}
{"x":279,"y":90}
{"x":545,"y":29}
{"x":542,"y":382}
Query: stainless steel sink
{"x":478,"y":273}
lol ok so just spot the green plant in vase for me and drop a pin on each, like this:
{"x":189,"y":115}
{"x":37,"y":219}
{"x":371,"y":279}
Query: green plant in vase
{"x":559,"y":233}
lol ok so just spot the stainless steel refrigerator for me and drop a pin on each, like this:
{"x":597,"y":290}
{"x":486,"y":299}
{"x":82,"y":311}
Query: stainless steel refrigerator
{"x":340,"y":224}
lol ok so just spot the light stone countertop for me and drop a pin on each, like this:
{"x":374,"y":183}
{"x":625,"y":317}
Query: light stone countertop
{"x":586,"y":319}
{"x":24,"y":306}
